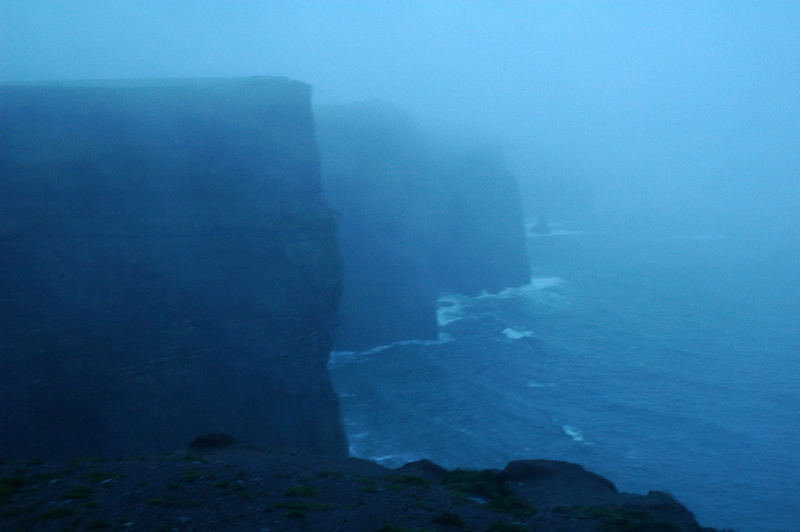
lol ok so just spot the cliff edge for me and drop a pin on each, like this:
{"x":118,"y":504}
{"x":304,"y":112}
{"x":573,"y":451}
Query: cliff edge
{"x":245,"y":488}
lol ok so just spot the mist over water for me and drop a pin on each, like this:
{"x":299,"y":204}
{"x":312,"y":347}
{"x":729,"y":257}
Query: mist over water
{"x":660,"y":360}
{"x":658,"y":342}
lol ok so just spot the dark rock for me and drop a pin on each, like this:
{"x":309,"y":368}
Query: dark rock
{"x":570,"y":490}
{"x":662,"y":507}
{"x":424,"y":468}
{"x":550,"y":482}
{"x":212,"y":440}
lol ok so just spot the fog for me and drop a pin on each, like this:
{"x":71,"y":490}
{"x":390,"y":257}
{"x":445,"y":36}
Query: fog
{"x":685,"y":111}
{"x":657,"y":339}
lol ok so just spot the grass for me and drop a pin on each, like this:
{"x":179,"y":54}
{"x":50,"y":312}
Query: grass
{"x":619,"y":519}
{"x":301,"y":491}
{"x":88,"y":460}
{"x":78,"y":492}
{"x":212,"y":440}
{"x":305,"y":506}
{"x":330,"y":474}
{"x":189,"y":457}
{"x":11,"y":485}
{"x":299,"y":509}
{"x":57,"y":513}
{"x":15,"y":511}
{"x":465,"y":483}
{"x":449,"y":519}
{"x":501,"y":526}
{"x":192,"y":475}
{"x":663,"y":497}
{"x":410,"y":480}
{"x":393,"y":528}
{"x":100,"y":476}
{"x":160,"y":501}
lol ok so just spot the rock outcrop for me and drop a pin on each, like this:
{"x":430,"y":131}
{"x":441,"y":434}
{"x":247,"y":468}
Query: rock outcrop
{"x":241,"y":487}
{"x":419,"y":217}
{"x":168,"y":267}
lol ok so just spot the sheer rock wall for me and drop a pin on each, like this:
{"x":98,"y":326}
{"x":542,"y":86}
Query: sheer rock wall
{"x":168,"y":267}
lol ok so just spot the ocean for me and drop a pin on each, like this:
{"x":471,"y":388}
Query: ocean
{"x":658,"y":358}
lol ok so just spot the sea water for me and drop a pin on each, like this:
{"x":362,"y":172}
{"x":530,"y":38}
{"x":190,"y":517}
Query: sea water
{"x":660,"y":359}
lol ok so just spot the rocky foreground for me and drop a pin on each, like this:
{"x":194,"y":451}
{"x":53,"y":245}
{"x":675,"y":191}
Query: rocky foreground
{"x":241,"y":487}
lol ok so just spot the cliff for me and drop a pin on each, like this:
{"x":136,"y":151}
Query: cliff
{"x":419,"y":217}
{"x":168,"y":266}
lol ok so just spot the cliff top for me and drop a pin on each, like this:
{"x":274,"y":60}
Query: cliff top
{"x":242,"y":487}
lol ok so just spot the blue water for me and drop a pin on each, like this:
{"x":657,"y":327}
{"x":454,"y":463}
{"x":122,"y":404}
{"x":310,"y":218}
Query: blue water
{"x":661,"y":360}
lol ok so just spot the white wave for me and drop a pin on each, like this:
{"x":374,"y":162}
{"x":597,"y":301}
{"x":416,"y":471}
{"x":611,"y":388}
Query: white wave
{"x":542,"y":283}
{"x":394,"y":460}
{"x":338,"y":356}
{"x":355,"y":440}
{"x":555,"y":232}
{"x":356,"y":435}
{"x":515,"y":334}
{"x":557,"y":229}
{"x":534,"y":384}
{"x":537,"y":284}
{"x":572,"y":432}
{"x":443,"y":339}
{"x":696,"y":237}
{"x":449,"y":308}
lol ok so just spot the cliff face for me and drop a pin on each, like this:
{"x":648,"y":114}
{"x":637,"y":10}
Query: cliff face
{"x":418,"y":218}
{"x":168,"y":267}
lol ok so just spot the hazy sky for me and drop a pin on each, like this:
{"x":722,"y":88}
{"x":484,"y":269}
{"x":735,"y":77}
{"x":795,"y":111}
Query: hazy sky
{"x":675,"y":107}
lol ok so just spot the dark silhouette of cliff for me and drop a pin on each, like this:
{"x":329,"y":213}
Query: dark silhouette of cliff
{"x":168,"y":267}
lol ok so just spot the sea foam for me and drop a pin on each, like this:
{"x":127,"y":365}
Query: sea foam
{"x":514,"y":334}
{"x":555,"y":232}
{"x":572,"y":432}
{"x":537,"y":284}
{"x":449,"y":308}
